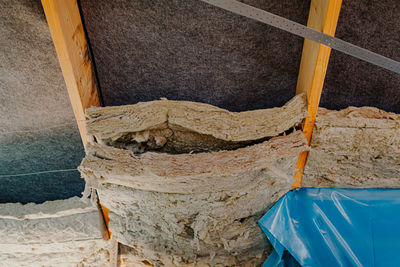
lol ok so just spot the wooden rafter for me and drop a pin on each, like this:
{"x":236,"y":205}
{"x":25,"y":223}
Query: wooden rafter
{"x":323,"y":16}
{"x":69,"y":40}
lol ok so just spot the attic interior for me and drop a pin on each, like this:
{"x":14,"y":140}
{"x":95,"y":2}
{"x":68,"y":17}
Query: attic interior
{"x":186,"y":180}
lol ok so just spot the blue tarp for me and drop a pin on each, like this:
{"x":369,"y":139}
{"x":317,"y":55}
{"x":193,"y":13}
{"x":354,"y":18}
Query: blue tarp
{"x":334,"y":227}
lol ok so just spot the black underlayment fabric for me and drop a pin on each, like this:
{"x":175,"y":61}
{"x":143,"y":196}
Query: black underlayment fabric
{"x":188,"y":50}
{"x":374,"y":25}
{"x":24,"y":153}
{"x":38,"y":130}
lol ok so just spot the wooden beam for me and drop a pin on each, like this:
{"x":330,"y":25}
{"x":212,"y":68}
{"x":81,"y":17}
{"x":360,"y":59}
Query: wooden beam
{"x":323,"y":16}
{"x":69,"y":40}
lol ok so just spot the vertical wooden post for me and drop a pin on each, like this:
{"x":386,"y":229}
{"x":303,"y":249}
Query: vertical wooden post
{"x":323,"y":16}
{"x":72,"y":50}
{"x":69,"y":40}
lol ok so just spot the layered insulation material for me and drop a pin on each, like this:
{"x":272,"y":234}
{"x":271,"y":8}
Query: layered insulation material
{"x":55,"y":233}
{"x":354,"y":148}
{"x":178,"y":202}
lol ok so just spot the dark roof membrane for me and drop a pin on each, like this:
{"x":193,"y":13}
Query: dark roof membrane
{"x":189,"y":50}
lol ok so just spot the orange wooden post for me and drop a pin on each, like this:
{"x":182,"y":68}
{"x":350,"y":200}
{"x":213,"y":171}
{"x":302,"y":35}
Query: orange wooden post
{"x":323,"y":16}
{"x":72,"y":50}
{"x":69,"y":40}
{"x":106,"y":219}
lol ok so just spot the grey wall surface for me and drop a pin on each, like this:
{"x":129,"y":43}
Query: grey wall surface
{"x":38,"y":131}
{"x":186,"y":49}
{"x":374,"y":25}
{"x":189,"y":50}
{"x":50,"y":149}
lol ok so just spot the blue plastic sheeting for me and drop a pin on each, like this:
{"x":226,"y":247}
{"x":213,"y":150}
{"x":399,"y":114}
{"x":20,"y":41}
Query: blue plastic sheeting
{"x":334,"y":227}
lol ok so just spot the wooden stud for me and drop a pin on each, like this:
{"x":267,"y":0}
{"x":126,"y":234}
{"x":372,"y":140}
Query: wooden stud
{"x":72,"y":50}
{"x":69,"y":40}
{"x":323,"y":16}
